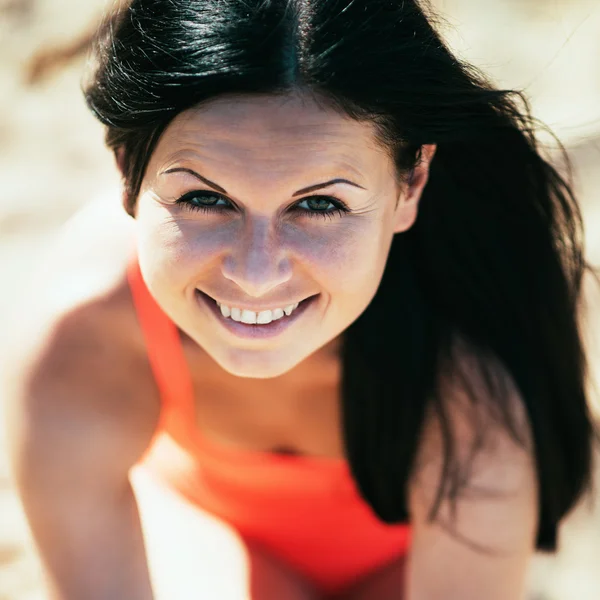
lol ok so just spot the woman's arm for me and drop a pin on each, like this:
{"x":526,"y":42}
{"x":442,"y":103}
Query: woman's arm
{"x":75,"y":428}
{"x":483,"y":549}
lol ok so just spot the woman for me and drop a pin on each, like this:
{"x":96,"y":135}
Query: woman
{"x":333,"y":346}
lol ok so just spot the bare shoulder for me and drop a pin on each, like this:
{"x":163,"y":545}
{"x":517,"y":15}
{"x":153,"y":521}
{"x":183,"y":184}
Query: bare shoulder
{"x":76,"y":364}
{"x":491,"y":492}
{"x":479,"y":540}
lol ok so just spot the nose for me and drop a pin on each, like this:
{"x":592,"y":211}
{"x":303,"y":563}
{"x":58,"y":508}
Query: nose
{"x":257,"y":263}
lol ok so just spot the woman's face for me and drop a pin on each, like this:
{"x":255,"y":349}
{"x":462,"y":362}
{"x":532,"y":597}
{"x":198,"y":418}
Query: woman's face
{"x":260,"y":203}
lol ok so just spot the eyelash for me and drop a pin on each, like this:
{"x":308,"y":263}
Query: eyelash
{"x":185,"y":201}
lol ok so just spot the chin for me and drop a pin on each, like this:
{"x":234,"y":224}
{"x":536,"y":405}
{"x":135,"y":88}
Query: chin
{"x":255,"y":368}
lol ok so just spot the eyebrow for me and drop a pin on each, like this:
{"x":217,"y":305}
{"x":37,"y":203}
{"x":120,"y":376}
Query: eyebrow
{"x":217,"y":187}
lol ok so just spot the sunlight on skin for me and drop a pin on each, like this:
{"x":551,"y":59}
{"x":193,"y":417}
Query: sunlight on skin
{"x":260,"y":248}
{"x":187,"y":550}
{"x":195,"y":556}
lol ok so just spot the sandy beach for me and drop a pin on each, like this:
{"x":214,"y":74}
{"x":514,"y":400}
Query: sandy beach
{"x":52,"y":162}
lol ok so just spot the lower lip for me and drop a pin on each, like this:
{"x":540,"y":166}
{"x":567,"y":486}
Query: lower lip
{"x":257,"y":332}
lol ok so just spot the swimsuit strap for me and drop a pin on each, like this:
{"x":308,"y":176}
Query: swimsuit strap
{"x":164,"y":347}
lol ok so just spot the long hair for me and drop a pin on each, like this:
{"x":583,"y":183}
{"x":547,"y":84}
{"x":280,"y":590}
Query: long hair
{"x":494,"y":259}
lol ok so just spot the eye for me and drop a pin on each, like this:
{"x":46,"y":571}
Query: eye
{"x":316,"y":206}
{"x":203,"y":201}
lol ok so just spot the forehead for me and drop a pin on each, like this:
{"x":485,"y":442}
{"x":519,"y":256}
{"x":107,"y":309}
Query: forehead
{"x":272,"y":131}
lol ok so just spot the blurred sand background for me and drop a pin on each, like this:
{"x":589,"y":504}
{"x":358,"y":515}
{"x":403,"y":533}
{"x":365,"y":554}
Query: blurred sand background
{"x":52,"y":161}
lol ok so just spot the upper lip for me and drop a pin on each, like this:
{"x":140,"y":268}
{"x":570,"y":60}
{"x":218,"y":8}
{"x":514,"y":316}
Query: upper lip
{"x":255,"y":309}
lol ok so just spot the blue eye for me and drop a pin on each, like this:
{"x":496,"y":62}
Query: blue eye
{"x":208,"y":202}
{"x":196,"y":201}
{"x":338,"y":209}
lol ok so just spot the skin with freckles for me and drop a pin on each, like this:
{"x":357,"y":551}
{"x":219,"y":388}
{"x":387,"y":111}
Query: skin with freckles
{"x":267,"y":239}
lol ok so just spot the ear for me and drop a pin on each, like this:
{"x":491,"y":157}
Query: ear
{"x":120,"y":161}
{"x":408,"y":202}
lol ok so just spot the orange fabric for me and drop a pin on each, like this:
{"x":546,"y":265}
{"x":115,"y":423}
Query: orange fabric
{"x":305,"y":510}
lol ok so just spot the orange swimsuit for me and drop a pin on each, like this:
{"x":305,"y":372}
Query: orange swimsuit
{"x":304,"y":510}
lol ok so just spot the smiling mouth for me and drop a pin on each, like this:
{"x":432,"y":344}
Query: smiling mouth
{"x":258,"y":317}
{"x":255,"y":330}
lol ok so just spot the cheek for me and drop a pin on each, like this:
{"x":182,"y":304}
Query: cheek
{"x":346,"y":258}
{"x":182,"y":241}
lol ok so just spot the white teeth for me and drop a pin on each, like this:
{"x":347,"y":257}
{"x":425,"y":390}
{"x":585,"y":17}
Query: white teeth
{"x":264,"y":317}
{"x":248,"y":317}
{"x":251,"y":318}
